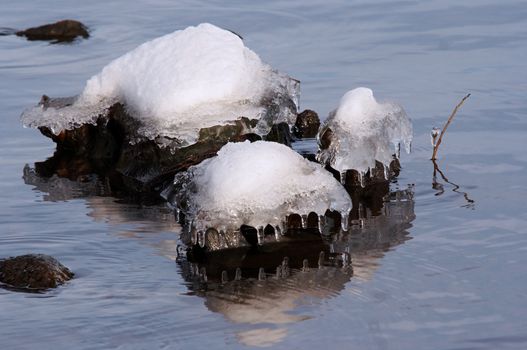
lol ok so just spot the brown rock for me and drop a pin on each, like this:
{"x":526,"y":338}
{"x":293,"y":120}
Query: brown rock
{"x":33,"y":272}
{"x":307,"y":124}
{"x":61,"y":31}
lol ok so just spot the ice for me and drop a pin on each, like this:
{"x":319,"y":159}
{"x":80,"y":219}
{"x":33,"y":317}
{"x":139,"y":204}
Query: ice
{"x":179,"y":83}
{"x":434,"y":134}
{"x":256,"y":184}
{"x":363,"y":131}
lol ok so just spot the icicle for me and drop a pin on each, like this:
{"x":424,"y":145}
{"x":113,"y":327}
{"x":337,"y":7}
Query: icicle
{"x":346,"y":259}
{"x":201,"y":239}
{"x":386,"y":171}
{"x":321,"y":259}
{"x":238,"y":274}
{"x":408,"y":146}
{"x":283,"y":228}
{"x":343,"y":177}
{"x":261,"y":274}
{"x":344,"y":221}
{"x":361,"y":178}
{"x":321,"y":223}
{"x":260,"y":235}
{"x":224,"y":277}
{"x":304,"y":221}
{"x":277,"y":233}
{"x":305,"y":265}
{"x":433,"y":135}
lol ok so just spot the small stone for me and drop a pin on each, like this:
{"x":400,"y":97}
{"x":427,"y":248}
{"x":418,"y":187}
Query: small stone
{"x":33,"y":272}
{"x":307,"y":124}
{"x":61,"y":31}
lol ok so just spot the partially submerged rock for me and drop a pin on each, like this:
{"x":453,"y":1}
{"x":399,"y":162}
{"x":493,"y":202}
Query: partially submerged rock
{"x":255,"y":184}
{"x":178,"y":84}
{"x":33,"y":272}
{"x":61,"y":31}
{"x":364,"y":136}
{"x":169,"y":104}
{"x":307,"y":124}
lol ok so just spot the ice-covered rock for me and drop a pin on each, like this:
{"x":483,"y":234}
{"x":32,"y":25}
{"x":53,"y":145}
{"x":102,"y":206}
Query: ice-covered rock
{"x":179,"y":83}
{"x":256,"y":184}
{"x":362,"y":131}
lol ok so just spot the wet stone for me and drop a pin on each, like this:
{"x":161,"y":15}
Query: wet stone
{"x":33,"y":272}
{"x":307,"y":124}
{"x":61,"y":31}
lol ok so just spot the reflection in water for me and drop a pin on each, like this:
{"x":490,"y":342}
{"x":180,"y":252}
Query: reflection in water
{"x":261,"y":288}
{"x":305,"y":270}
{"x":439,"y":187}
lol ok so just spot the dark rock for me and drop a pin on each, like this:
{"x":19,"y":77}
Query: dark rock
{"x":33,"y":272}
{"x":61,"y":31}
{"x":137,"y":170}
{"x":353,"y":182}
{"x":280,"y":133}
{"x":307,"y":124}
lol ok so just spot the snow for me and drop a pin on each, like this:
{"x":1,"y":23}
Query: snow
{"x":179,"y":83}
{"x":256,"y":184}
{"x":364,"y":131}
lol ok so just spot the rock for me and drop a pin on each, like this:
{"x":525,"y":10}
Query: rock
{"x":353,"y":181}
{"x":61,"y":31}
{"x":33,"y":272}
{"x":307,"y":124}
{"x":280,"y":133}
{"x":136,"y":170}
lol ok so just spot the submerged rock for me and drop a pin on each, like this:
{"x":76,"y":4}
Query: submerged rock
{"x":61,"y":31}
{"x":33,"y":272}
{"x":307,"y":124}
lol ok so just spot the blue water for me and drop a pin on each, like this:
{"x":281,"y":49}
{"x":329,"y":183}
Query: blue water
{"x":453,"y":278}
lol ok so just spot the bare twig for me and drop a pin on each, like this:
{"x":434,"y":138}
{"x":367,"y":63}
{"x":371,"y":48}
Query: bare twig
{"x":436,"y":147}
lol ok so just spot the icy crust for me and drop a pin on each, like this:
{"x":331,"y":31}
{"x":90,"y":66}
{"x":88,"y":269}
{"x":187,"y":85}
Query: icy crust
{"x":364,"y":131}
{"x":179,"y":83}
{"x":256,"y":184}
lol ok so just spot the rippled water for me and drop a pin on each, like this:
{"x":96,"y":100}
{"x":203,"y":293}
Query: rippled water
{"x":446,"y":273}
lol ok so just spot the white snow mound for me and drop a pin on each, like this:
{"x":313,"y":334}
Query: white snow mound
{"x":257,"y":184}
{"x":364,"y":131}
{"x":179,"y":83}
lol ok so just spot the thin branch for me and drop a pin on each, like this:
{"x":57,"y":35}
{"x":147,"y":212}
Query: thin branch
{"x":436,"y":147}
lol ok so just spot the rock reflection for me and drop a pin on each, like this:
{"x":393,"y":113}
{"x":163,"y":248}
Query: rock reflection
{"x":269,"y":304}
{"x":263,"y":288}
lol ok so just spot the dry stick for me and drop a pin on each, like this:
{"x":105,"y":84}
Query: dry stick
{"x":436,"y":147}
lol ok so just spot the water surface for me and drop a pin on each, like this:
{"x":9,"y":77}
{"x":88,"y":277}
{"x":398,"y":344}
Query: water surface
{"x":450,"y":276}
